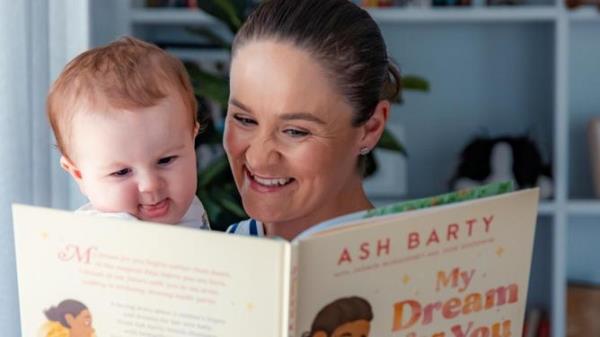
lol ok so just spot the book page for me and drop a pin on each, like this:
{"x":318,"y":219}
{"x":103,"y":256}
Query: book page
{"x":458,"y":270}
{"x":140,"y":279}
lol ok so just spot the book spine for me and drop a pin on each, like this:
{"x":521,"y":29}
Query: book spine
{"x":293,"y":291}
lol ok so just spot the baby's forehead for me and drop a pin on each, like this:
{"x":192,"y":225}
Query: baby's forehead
{"x":102,"y":106}
{"x":166,"y":112}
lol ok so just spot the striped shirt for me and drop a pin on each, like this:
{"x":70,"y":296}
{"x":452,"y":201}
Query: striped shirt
{"x":249,"y":227}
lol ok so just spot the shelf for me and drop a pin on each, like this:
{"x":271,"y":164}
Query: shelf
{"x":170,"y":16}
{"x":584,"y":207}
{"x":383,"y":16}
{"x":586,"y":14}
{"x":465,"y":14}
{"x":216,"y":55}
{"x":546,"y":208}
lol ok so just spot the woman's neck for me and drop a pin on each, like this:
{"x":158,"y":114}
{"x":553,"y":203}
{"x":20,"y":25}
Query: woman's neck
{"x":346,"y":203}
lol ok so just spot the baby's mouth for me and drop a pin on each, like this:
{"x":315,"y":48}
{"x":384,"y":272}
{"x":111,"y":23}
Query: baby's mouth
{"x":156,"y":210}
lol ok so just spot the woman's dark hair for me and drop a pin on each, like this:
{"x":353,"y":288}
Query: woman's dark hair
{"x":65,"y":307}
{"x":340,"y":312}
{"x":341,"y":36}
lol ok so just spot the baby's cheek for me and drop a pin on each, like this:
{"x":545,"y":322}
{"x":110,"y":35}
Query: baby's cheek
{"x":117,"y":198}
{"x":183,"y":181}
{"x":129,"y":196}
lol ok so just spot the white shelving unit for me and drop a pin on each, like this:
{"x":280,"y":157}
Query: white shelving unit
{"x":154,"y":16}
{"x":170,"y":16}
{"x":547,"y":25}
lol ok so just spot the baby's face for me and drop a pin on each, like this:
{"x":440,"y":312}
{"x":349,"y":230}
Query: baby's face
{"x":139,"y":161}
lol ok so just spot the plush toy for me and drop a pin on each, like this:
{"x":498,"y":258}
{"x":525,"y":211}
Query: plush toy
{"x":486,"y":160}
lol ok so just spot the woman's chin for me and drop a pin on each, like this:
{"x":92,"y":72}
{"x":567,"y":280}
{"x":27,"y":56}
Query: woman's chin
{"x":266,"y":213}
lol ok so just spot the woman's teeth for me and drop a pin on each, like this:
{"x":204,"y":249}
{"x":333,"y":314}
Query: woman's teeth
{"x":272,"y":182}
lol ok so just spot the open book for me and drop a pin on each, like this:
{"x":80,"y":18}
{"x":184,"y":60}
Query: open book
{"x":459,"y":269}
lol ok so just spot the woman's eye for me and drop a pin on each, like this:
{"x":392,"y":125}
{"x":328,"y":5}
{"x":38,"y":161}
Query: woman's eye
{"x":244,"y":120}
{"x":121,"y":173}
{"x":166,"y":160}
{"x":296,"y":133}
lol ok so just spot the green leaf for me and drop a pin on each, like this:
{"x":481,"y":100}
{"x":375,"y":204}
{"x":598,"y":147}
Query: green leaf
{"x":226,"y":11}
{"x":228,"y":202}
{"x":389,"y":142}
{"x":209,"y":85}
{"x":416,"y":83}
{"x":212,"y":208}
{"x":211,"y":36}
{"x":232,"y":17}
{"x":209,"y":173}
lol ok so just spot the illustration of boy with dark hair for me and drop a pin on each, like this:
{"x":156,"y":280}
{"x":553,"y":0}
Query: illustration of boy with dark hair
{"x":344,"y":317}
{"x":70,"y":318}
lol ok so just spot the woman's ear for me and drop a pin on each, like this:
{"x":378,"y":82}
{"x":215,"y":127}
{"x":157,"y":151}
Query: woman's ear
{"x":70,"y":320}
{"x":373,"y":128}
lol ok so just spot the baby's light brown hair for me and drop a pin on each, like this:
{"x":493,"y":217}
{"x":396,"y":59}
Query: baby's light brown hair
{"x":125,"y":74}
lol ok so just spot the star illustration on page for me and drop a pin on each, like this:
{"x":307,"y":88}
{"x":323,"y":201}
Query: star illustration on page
{"x":406,"y":279}
{"x":44,"y":235}
{"x":250,"y":306}
{"x":499,"y":251}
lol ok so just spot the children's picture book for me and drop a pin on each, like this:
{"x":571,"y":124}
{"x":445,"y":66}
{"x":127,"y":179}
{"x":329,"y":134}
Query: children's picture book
{"x":450,"y":266}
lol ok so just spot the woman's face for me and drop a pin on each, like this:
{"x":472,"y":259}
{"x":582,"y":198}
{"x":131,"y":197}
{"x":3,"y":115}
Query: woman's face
{"x":81,"y":325}
{"x":289,"y":136}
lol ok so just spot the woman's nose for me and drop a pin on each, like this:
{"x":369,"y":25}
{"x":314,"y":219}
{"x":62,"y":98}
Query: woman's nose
{"x":262,"y":152}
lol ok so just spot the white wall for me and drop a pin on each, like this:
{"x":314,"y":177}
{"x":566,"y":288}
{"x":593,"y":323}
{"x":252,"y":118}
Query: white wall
{"x":37,"y":37}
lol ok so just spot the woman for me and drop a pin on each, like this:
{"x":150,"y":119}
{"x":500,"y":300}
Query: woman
{"x":310,"y":86}
{"x":70,"y":318}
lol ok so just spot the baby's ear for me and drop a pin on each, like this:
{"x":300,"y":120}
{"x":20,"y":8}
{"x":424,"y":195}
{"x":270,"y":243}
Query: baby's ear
{"x":320,"y":333}
{"x":68,"y":166}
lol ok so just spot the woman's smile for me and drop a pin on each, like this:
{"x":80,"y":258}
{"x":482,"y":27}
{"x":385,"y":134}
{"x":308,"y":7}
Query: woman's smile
{"x":267,"y":184}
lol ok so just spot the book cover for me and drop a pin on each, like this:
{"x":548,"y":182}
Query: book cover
{"x":455,"y":270}
{"x":460,"y":269}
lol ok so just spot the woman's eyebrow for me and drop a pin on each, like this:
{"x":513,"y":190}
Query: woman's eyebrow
{"x":238,"y":104}
{"x":286,"y":116}
{"x":302,"y":115}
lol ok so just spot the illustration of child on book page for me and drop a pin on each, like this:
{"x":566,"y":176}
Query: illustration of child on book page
{"x":347,"y":317}
{"x":70,"y":318}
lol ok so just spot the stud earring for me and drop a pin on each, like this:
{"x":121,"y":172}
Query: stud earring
{"x":364,"y":151}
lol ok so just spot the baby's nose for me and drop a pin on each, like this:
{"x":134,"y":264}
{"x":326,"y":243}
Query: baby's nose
{"x":150,"y":183}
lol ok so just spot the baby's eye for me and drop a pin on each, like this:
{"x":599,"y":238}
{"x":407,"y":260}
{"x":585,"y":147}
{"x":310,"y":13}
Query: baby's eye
{"x":244,"y":120}
{"x":121,"y":173}
{"x":296,"y":133}
{"x":166,"y":160}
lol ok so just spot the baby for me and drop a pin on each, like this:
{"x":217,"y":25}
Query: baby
{"x":124,"y":117}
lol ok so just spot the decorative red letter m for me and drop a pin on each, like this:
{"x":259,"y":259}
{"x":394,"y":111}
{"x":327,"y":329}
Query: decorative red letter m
{"x":74,"y":252}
